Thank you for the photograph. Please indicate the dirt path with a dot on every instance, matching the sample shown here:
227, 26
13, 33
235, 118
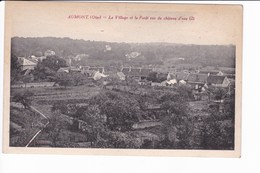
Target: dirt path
39, 131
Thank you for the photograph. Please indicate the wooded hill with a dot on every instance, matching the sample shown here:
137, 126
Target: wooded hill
151, 53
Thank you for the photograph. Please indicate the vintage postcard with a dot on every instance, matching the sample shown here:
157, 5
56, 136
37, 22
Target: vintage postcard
138, 79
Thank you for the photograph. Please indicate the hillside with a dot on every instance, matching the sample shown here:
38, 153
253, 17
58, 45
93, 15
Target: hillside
111, 52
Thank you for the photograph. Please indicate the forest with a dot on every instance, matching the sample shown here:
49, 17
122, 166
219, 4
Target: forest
150, 53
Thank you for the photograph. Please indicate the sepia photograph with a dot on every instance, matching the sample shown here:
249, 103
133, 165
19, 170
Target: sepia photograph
123, 79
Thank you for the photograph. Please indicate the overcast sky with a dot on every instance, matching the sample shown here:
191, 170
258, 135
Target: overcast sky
212, 24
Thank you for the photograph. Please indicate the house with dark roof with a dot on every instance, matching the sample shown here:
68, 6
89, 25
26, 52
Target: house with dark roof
136, 73
91, 71
197, 81
97, 69
229, 72
146, 71
178, 76
125, 70
89, 68
197, 78
218, 81
71, 69
160, 79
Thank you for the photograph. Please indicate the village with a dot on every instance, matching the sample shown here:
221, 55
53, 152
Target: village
199, 79
201, 89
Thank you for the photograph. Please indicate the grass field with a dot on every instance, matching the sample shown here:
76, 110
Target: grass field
49, 95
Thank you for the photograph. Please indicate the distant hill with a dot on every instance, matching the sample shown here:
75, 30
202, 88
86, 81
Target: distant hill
111, 52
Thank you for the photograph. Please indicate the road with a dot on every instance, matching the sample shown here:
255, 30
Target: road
39, 131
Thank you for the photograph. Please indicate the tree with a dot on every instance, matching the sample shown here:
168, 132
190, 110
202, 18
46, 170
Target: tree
42, 72
78, 78
120, 109
210, 135
96, 122
169, 96
48, 67
218, 93
152, 76
25, 98
216, 132
26, 79
177, 123
15, 68
64, 79
53, 62
185, 91
229, 106
55, 127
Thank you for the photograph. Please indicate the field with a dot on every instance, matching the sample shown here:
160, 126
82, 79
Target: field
50, 95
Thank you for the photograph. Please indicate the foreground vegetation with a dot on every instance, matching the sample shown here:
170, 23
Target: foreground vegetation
24, 123
116, 119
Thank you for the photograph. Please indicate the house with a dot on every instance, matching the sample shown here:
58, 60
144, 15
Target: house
26, 63
97, 69
91, 71
84, 67
107, 48
121, 75
160, 77
64, 70
197, 78
97, 75
178, 76
171, 82
211, 72
125, 70
133, 55
79, 57
218, 81
144, 73
26, 72
74, 69
37, 58
49, 53
182, 82
160, 80
197, 81
136, 73
229, 72
156, 84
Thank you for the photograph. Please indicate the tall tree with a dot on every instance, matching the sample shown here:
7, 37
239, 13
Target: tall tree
64, 79
15, 68
78, 78
25, 98
55, 127
53, 62
120, 109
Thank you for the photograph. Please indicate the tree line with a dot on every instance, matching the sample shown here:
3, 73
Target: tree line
110, 116
151, 53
